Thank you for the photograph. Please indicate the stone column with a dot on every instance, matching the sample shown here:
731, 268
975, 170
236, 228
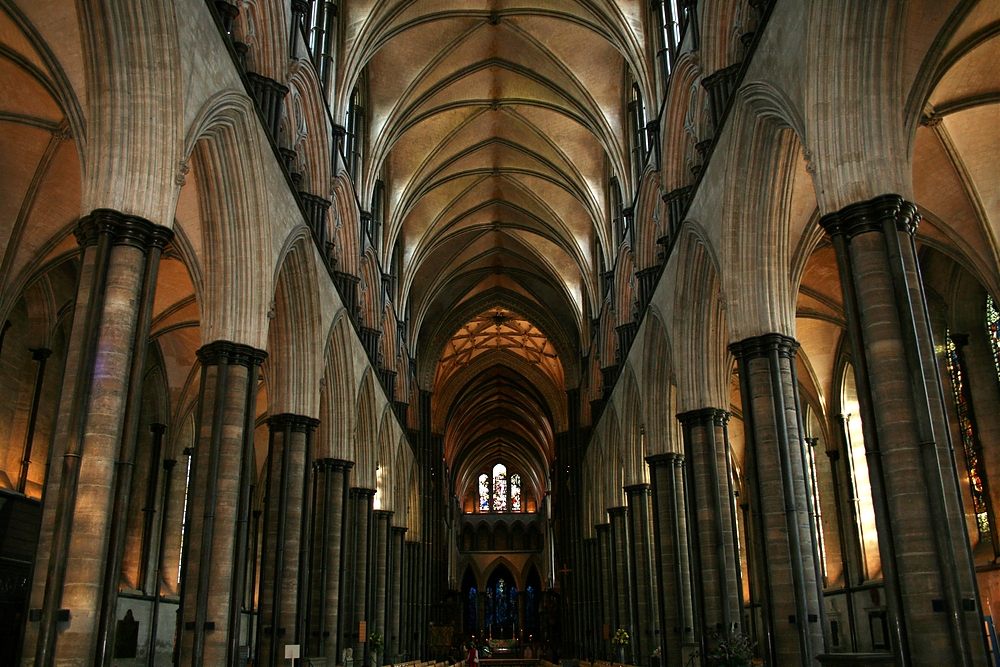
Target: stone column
925, 554
211, 580
592, 600
39, 356
621, 573
149, 510
717, 591
777, 466
647, 630
331, 491
120, 256
606, 614
410, 619
360, 579
673, 570
284, 504
393, 650
381, 523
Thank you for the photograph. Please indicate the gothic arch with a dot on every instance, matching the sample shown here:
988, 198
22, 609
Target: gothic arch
677, 129
633, 427
224, 141
756, 221
266, 29
702, 359
648, 221
385, 460
660, 392
337, 418
365, 433
856, 132
346, 233
128, 84
296, 330
314, 137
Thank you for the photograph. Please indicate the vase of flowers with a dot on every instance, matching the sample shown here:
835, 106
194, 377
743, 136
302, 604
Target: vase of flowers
734, 650
375, 642
620, 641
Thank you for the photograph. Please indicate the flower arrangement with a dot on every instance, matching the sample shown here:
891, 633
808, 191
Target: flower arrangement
621, 637
732, 651
658, 653
375, 642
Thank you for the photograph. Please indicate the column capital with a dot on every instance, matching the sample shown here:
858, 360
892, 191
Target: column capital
665, 459
361, 492
756, 347
158, 428
715, 415
122, 228
316, 200
298, 423
399, 530
264, 82
333, 464
638, 489
43, 353
871, 216
224, 351
602, 527
621, 510
383, 514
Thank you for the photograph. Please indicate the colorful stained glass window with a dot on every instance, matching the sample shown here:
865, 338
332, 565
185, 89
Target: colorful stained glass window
484, 493
499, 488
970, 439
515, 493
993, 330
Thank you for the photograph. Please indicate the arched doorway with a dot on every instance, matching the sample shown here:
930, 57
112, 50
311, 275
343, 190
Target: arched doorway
502, 617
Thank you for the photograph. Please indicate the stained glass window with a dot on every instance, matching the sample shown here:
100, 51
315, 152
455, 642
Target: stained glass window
515, 493
499, 488
993, 330
484, 493
966, 427
471, 611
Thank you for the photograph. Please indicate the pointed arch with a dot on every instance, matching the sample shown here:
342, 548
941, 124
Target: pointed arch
313, 138
266, 29
366, 433
626, 305
648, 220
702, 358
295, 335
659, 388
336, 413
128, 84
755, 232
633, 429
346, 232
225, 142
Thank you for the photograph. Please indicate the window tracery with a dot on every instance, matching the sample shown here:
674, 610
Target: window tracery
968, 434
500, 491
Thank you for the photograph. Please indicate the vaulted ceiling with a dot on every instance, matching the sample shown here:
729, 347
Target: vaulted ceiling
495, 127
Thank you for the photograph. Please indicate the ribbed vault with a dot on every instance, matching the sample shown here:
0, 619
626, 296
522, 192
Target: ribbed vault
496, 134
